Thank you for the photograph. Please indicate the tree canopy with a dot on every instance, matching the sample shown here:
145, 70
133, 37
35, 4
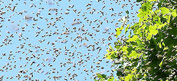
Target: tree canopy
150, 50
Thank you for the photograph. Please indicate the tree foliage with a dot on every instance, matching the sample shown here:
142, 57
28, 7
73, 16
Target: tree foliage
150, 51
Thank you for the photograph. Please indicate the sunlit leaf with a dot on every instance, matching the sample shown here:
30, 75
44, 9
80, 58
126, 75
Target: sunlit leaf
174, 13
111, 79
134, 38
118, 31
161, 63
164, 10
134, 55
153, 30
129, 77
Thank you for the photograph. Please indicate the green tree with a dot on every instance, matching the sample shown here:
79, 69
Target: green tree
150, 51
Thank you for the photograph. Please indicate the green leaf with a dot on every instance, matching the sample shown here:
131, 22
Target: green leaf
129, 77
133, 39
174, 14
162, 25
118, 31
124, 49
166, 48
161, 63
140, 44
126, 29
153, 30
164, 10
149, 36
95, 80
138, 0
111, 79
140, 15
134, 55
111, 53
146, 7
160, 45
127, 12
102, 76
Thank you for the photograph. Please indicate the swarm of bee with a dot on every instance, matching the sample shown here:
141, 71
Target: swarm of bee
62, 40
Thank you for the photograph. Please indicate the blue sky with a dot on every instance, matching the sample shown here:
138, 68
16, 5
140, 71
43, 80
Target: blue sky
30, 42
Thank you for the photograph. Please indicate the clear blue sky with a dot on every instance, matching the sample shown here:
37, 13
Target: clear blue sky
16, 28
